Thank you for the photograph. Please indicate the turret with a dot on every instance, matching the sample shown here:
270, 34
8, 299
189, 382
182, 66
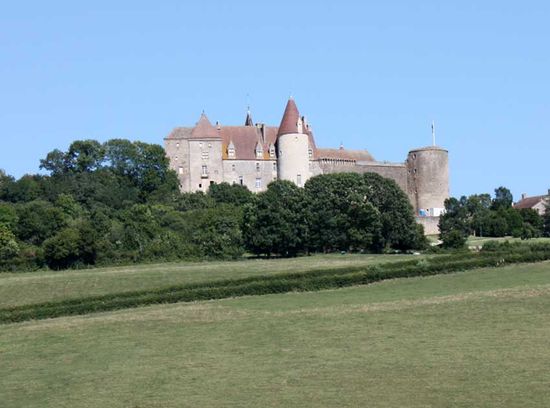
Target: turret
293, 147
428, 174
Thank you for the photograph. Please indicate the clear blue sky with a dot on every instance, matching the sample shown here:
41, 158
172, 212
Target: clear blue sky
368, 75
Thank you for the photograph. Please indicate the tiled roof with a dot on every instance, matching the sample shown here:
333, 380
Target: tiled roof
344, 154
529, 202
180, 133
204, 129
289, 122
245, 138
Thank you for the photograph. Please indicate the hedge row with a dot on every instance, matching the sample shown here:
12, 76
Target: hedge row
262, 285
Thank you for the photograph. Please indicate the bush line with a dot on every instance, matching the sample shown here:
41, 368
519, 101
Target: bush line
313, 280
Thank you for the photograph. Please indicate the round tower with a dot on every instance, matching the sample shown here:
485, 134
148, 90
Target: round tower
293, 147
428, 179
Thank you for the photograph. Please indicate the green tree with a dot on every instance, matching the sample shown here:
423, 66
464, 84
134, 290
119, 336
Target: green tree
340, 215
38, 220
62, 250
216, 232
399, 227
276, 222
234, 194
453, 224
503, 198
8, 244
532, 218
8, 215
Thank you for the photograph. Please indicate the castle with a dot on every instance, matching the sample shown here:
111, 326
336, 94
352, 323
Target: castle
253, 155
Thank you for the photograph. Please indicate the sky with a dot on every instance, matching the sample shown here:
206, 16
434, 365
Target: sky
370, 75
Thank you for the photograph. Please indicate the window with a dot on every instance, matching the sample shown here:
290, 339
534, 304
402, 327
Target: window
272, 151
210, 145
176, 158
200, 185
310, 153
258, 167
232, 167
200, 144
299, 180
231, 152
274, 166
241, 180
204, 170
204, 155
180, 170
177, 145
258, 183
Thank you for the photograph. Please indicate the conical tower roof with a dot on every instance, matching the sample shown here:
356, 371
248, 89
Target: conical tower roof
204, 129
289, 123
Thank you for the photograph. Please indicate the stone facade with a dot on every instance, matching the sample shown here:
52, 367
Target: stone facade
256, 154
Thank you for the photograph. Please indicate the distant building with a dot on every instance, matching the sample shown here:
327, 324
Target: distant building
253, 155
537, 203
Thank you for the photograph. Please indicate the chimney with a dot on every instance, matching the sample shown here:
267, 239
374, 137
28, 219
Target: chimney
523, 196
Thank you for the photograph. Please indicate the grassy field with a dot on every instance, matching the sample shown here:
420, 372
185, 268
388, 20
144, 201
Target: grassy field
35, 287
474, 339
479, 241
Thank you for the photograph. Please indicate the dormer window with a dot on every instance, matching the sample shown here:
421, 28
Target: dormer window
310, 153
272, 151
231, 151
259, 151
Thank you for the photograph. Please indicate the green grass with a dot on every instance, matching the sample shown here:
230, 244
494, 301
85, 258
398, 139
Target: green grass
474, 339
35, 287
480, 241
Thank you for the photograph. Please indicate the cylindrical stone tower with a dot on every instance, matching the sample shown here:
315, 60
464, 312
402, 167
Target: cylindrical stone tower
428, 179
293, 147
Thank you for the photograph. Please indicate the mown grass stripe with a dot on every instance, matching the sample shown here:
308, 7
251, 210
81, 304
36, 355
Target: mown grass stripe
262, 285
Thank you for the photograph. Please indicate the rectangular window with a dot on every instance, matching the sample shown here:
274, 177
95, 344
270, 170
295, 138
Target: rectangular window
299, 180
180, 170
241, 180
274, 166
204, 155
204, 169
258, 183
232, 167
258, 167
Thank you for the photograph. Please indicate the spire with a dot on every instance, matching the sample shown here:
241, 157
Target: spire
204, 129
248, 121
291, 117
433, 132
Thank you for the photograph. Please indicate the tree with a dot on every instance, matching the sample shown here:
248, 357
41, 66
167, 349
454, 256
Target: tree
340, 215
38, 220
234, 194
276, 222
62, 250
399, 227
503, 198
8, 215
531, 217
453, 224
216, 232
8, 244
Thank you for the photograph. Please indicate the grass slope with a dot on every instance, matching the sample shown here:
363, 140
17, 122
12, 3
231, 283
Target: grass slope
474, 339
35, 287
